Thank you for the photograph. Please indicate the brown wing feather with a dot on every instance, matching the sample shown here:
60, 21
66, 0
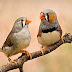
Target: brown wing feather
39, 34
8, 41
60, 30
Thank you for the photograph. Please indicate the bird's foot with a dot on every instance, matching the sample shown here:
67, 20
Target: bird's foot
62, 39
42, 50
28, 54
14, 61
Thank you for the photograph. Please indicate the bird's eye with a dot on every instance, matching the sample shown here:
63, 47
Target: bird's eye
22, 23
51, 17
42, 16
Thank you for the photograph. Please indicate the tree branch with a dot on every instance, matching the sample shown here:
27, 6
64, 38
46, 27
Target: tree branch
10, 66
21, 69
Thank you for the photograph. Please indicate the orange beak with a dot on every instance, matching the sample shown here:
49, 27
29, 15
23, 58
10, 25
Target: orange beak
42, 16
28, 21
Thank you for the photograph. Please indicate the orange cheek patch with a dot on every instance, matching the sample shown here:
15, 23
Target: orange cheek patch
51, 17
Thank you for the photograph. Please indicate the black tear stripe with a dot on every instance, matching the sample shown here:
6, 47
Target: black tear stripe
50, 30
22, 22
2, 48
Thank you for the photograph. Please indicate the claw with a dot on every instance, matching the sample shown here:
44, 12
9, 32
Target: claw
28, 54
12, 61
15, 59
42, 50
62, 39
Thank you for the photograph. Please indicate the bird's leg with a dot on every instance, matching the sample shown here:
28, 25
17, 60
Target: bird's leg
42, 50
9, 59
62, 39
28, 54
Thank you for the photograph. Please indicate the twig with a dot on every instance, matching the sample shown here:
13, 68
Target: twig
10, 66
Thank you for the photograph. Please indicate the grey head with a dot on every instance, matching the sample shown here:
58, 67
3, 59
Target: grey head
47, 12
48, 20
19, 24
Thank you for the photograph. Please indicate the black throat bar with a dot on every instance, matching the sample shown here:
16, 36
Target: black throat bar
50, 30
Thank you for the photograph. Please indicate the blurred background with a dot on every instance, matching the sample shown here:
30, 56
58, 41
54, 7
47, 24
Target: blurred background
59, 60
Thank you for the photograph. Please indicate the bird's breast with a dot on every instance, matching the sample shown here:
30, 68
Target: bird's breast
22, 41
49, 38
23, 44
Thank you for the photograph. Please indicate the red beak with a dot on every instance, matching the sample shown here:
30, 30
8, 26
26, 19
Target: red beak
42, 16
28, 21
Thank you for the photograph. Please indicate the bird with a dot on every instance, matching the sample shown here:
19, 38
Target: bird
18, 39
49, 29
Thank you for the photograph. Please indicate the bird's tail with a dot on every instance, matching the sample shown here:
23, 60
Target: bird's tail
0, 49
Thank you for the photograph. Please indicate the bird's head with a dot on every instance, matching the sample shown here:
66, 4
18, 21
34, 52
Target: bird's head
21, 23
48, 15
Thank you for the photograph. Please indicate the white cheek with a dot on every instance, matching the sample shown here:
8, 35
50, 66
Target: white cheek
23, 23
46, 17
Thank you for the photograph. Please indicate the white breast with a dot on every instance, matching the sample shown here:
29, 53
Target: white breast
49, 38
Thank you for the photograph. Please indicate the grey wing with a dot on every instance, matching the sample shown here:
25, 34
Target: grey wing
10, 38
8, 41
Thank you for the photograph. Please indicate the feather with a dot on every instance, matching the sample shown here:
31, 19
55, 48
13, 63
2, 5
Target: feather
60, 31
39, 34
